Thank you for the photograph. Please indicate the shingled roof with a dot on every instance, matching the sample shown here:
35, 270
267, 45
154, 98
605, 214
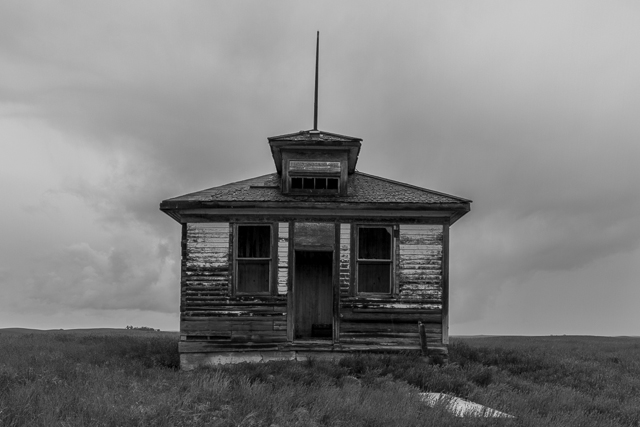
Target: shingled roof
362, 188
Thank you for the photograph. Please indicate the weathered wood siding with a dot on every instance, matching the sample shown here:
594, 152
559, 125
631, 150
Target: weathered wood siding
283, 257
212, 319
419, 262
345, 258
205, 264
393, 321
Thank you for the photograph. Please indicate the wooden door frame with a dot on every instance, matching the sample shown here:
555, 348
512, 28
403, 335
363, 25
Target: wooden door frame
335, 285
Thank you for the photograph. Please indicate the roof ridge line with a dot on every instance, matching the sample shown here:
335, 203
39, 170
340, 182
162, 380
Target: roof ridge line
315, 131
415, 187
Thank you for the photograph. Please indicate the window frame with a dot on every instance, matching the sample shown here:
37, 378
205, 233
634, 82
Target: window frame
313, 175
314, 189
271, 261
357, 261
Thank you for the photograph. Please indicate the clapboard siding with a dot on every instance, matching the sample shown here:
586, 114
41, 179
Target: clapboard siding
213, 319
205, 264
230, 333
419, 261
393, 322
345, 258
390, 322
210, 313
283, 257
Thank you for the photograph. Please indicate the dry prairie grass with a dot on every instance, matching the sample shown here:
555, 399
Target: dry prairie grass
103, 379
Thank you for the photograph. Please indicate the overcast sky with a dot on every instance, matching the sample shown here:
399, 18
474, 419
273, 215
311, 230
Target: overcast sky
529, 108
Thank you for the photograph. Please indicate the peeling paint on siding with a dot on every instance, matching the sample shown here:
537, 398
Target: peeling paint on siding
283, 257
206, 264
345, 255
420, 261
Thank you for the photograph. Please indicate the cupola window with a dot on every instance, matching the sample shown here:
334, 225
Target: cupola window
313, 177
314, 183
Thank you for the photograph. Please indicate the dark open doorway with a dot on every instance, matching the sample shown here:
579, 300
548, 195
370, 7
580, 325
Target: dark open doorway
313, 295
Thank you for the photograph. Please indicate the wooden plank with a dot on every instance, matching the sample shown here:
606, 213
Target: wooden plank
273, 305
283, 257
421, 247
207, 335
194, 279
210, 273
336, 287
393, 303
383, 336
230, 314
409, 271
389, 342
290, 291
428, 304
345, 255
216, 308
420, 259
415, 287
206, 347
206, 242
420, 228
348, 316
445, 286
416, 295
390, 310
280, 325
241, 299
188, 326
309, 235
398, 339
237, 337
208, 226
422, 252
388, 327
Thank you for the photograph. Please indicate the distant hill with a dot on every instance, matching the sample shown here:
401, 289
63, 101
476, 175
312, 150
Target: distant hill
88, 331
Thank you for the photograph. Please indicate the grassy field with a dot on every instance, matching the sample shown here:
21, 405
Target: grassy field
130, 378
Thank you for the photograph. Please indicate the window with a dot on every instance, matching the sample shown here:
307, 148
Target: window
314, 183
253, 259
314, 177
374, 259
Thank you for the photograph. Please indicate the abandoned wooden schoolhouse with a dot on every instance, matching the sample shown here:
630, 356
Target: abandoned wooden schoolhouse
316, 259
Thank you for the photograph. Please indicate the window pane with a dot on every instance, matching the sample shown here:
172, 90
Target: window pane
296, 183
307, 183
254, 241
332, 183
253, 276
321, 183
374, 243
374, 277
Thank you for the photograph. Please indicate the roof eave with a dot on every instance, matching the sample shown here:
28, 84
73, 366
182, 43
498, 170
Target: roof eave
176, 209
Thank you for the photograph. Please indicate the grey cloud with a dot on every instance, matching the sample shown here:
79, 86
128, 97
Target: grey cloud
529, 109
80, 277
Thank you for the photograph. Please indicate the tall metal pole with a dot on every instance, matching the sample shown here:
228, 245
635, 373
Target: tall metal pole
315, 100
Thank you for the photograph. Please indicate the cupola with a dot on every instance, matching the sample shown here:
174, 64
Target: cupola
314, 162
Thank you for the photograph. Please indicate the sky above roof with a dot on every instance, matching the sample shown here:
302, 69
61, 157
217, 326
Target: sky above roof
530, 109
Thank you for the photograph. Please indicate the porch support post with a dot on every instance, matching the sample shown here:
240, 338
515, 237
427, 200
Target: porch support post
445, 283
